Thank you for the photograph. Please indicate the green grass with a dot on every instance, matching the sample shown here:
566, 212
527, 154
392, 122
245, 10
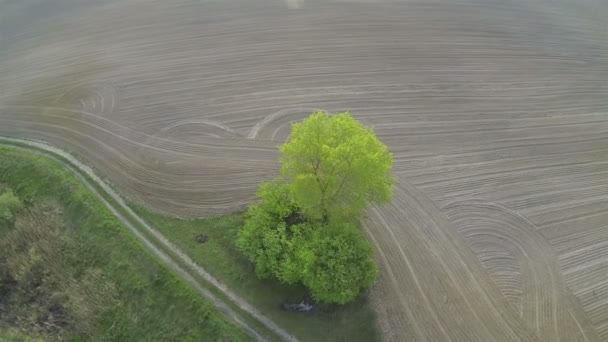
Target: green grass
220, 257
14, 335
155, 305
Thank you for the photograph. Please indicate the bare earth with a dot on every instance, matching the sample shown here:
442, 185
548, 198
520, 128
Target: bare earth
496, 112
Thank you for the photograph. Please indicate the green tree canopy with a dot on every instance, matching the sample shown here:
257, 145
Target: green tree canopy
304, 229
263, 238
336, 166
336, 263
333, 260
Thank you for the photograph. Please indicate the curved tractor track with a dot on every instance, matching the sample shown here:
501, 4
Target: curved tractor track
496, 112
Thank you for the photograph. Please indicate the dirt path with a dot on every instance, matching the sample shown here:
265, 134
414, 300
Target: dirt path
79, 168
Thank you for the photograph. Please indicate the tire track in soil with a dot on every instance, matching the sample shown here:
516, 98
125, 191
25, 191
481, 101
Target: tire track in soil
546, 305
450, 295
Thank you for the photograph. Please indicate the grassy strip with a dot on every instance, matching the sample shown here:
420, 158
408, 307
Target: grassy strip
246, 317
156, 304
13, 334
220, 257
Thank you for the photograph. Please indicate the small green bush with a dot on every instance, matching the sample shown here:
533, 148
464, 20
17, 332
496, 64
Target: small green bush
9, 203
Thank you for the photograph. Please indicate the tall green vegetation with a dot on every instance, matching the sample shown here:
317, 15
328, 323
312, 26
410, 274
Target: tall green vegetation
9, 203
336, 166
37, 294
305, 228
69, 271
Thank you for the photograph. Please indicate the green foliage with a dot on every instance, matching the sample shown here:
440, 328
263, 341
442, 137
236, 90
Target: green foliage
305, 231
264, 237
221, 257
9, 203
277, 199
109, 286
39, 295
16, 335
333, 260
336, 166
337, 263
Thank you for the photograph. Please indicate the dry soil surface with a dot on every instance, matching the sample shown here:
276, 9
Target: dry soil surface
496, 112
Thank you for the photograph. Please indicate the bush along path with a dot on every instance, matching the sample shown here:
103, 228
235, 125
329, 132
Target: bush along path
170, 254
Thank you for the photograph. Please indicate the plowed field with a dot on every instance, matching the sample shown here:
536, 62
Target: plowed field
496, 112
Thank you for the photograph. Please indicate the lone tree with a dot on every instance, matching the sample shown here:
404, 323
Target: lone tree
336, 166
305, 228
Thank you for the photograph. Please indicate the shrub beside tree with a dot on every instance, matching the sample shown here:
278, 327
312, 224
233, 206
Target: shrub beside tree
306, 226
